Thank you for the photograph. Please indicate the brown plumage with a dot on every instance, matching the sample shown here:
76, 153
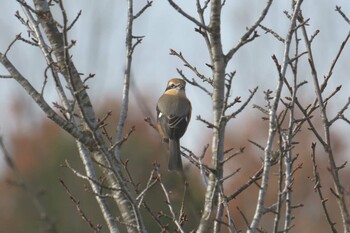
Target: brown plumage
173, 116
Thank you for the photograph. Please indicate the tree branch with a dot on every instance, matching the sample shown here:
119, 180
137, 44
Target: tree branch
247, 36
273, 124
327, 145
189, 17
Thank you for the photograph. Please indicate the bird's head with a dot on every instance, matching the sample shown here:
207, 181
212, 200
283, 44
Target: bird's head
176, 85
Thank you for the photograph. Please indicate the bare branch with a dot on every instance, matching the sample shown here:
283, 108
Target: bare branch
330, 72
243, 216
247, 37
240, 151
327, 145
189, 17
275, 34
204, 33
230, 175
244, 105
197, 161
74, 21
194, 69
138, 14
314, 35
338, 9
96, 228
193, 82
119, 143
151, 182
252, 180
209, 125
318, 188
340, 114
25, 5
272, 123
12, 43
6, 76
337, 89
51, 114
168, 202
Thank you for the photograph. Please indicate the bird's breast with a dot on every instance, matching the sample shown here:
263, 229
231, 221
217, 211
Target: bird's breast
173, 105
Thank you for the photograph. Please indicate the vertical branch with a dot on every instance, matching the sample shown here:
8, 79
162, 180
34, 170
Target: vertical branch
288, 175
204, 33
260, 209
212, 210
169, 204
34, 25
280, 194
134, 219
326, 142
85, 156
126, 83
99, 149
288, 141
317, 187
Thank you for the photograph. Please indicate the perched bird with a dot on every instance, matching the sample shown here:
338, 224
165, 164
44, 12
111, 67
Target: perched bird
173, 116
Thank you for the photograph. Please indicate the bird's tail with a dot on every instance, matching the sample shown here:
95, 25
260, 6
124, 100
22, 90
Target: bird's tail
175, 163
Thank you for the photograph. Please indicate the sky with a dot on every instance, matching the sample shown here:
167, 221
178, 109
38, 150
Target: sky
100, 49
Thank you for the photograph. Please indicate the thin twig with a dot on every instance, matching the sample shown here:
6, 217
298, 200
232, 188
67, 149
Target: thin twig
340, 114
247, 36
273, 122
194, 69
338, 9
275, 34
240, 151
74, 21
243, 106
189, 17
209, 125
327, 145
251, 181
150, 183
193, 82
330, 72
138, 14
12, 43
97, 227
169, 204
318, 188
204, 33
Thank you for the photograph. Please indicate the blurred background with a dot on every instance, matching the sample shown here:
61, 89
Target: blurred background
40, 148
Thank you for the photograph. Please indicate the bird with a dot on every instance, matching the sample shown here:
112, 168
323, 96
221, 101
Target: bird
173, 116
